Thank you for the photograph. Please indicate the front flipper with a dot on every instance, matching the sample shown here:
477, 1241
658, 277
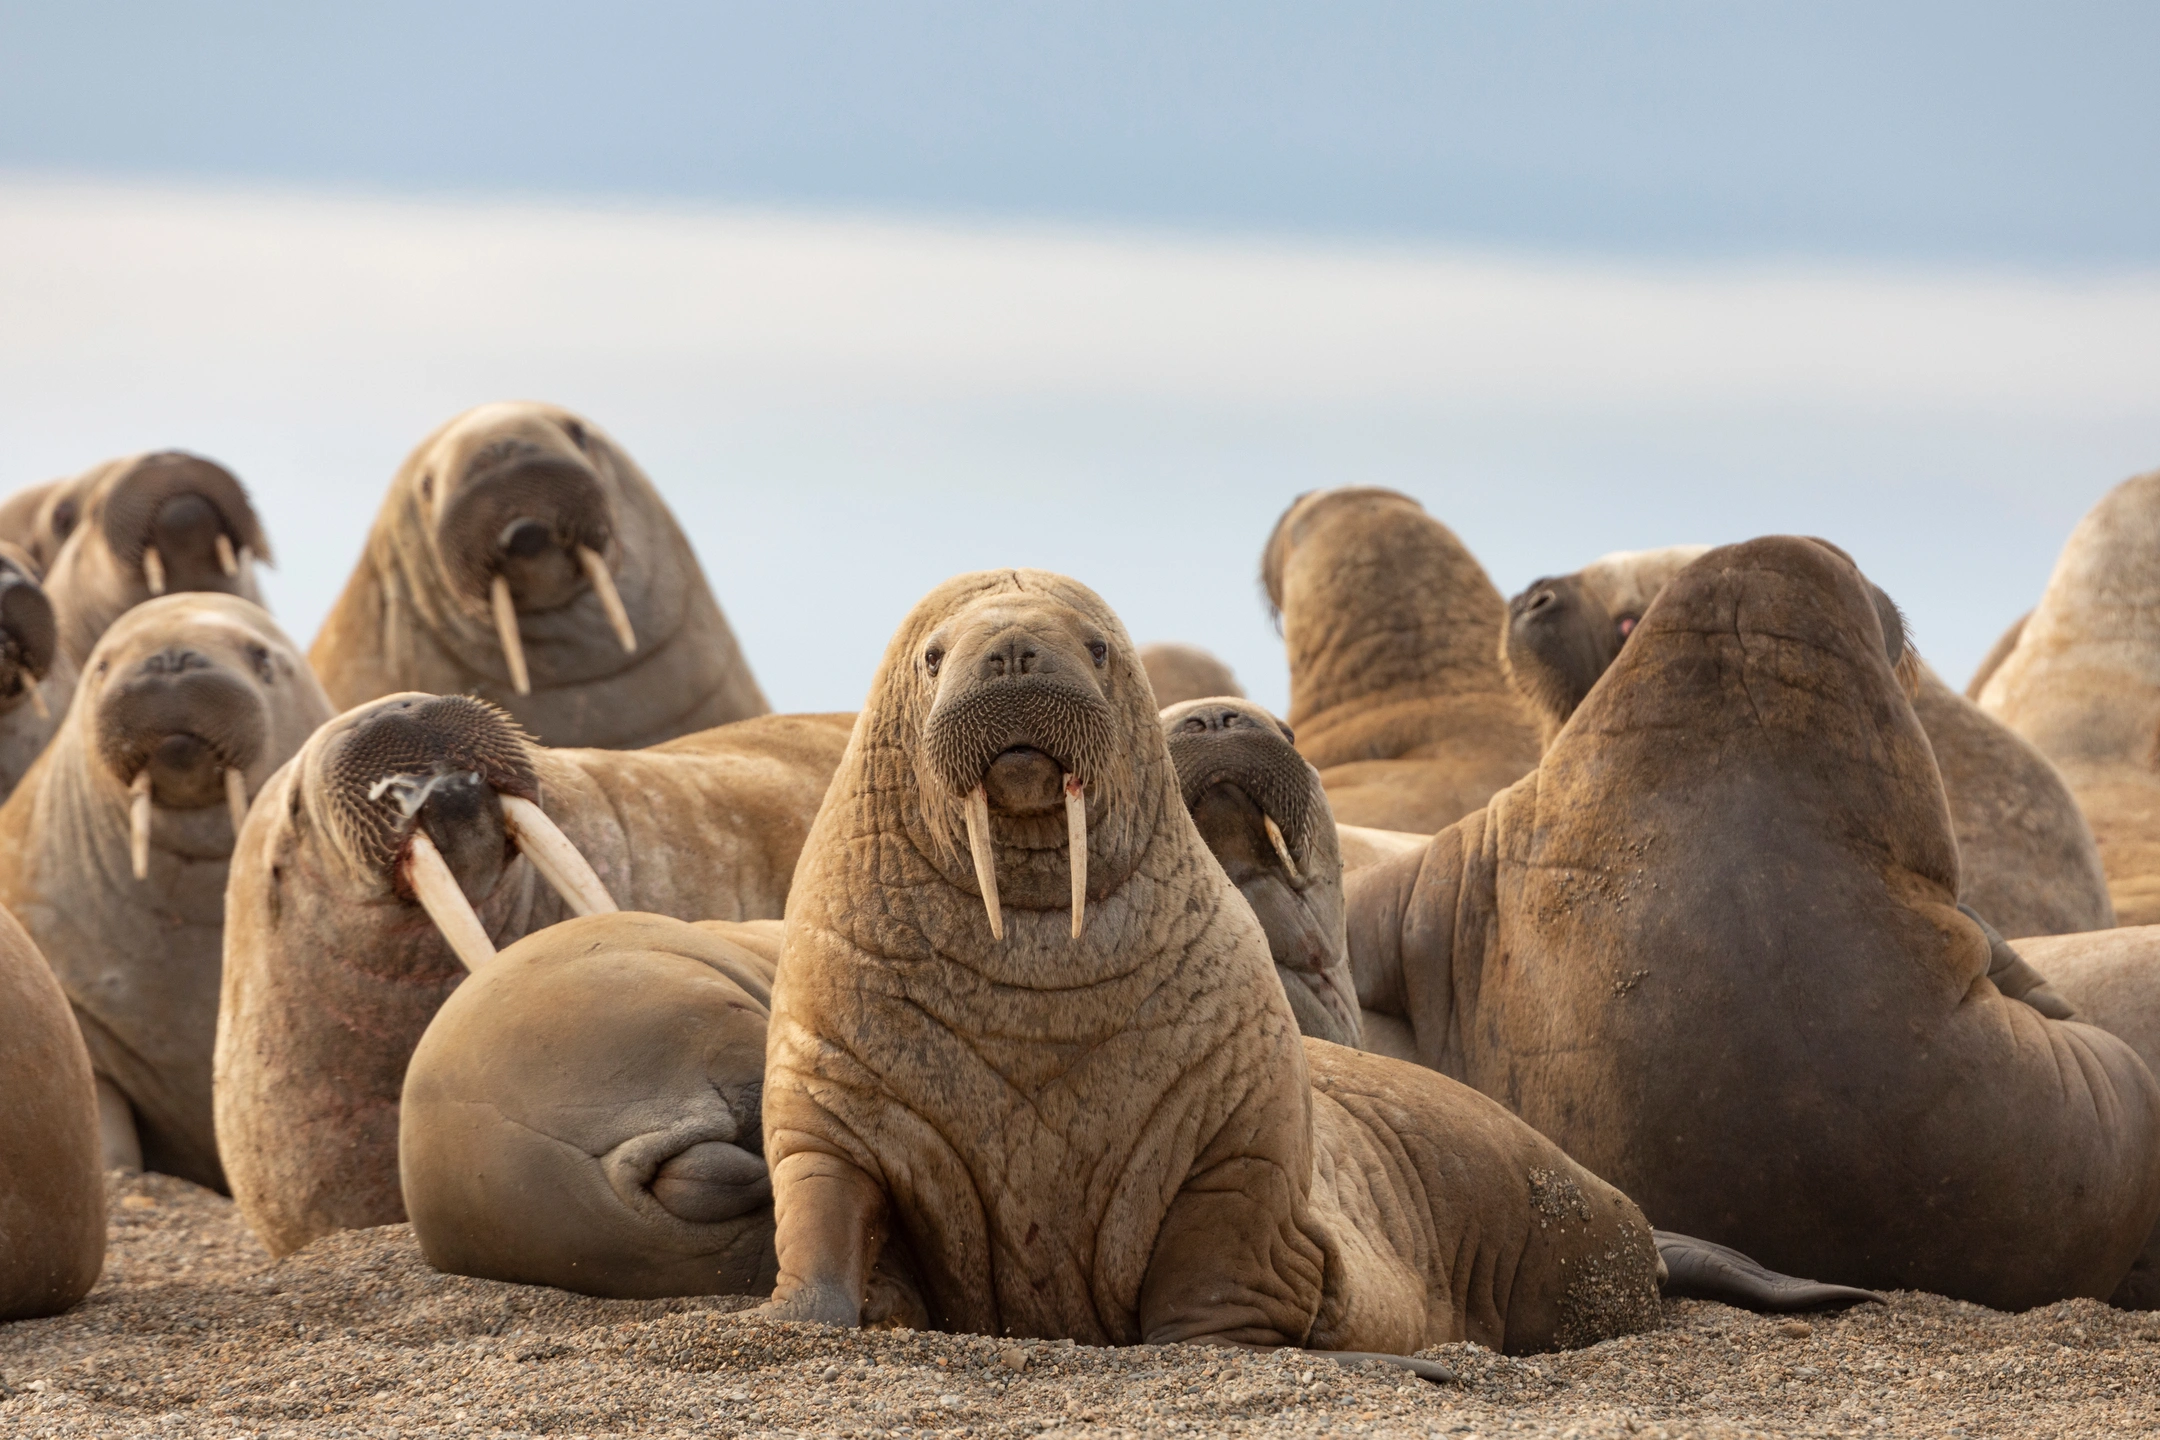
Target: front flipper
1698, 1270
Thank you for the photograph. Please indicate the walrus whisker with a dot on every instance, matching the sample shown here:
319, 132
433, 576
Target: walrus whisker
139, 823
558, 860
1282, 848
153, 569
506, 630
1076, 844
226, 560
978, 828
236, 798
603, 585
437, 891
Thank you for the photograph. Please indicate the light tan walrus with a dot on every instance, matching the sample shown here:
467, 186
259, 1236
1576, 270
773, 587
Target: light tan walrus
1186, 672
52, 1197
385, 862
1031, 1071
2026, 857
2082, 683
1395, 693
37, 682
114, 851
522, 556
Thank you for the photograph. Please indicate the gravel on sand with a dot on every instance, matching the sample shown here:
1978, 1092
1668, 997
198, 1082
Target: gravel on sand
195, 1331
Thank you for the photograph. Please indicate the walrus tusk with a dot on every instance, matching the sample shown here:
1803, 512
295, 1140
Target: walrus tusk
1076, 844
139, 824
558, 861
37, 701
247, 568
226, 560
603, 585
1282, 847
437, 891
506, 630
978, 828
236, 798
153, 569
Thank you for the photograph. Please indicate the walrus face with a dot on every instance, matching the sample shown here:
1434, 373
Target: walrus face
29, 636
179, 522
1559, 639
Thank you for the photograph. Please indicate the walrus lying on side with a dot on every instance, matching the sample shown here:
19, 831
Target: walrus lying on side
1395, 693
2026, 857
36, 681
583, 1112
52, 1196
1712, 947
2082, 683
385, 861
1030, 1062
1186, 672
114, 850
522, 556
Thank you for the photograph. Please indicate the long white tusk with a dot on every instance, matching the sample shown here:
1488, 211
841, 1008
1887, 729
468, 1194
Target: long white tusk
506, 630
603, 585
437, 891
227, 561
559, 862
37, 701
139, 824
1282, 849
978, 828
1076, 847
153, 569
236, 799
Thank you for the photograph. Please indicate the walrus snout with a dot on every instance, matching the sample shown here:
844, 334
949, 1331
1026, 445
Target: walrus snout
522, 512
184, 719
1559, 639
29, 635
1246, 785
184, 523
1024, 781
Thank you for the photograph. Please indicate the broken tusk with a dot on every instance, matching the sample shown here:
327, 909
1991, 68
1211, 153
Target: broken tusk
506, 630
603, 585
437, 891
37, 701
559, 862
1282, 849
226, 560
153, 569
978, 828
139, 824
1076, 847
236, 799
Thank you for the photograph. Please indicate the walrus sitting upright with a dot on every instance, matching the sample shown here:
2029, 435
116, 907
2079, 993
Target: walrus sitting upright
521, 556
1712, 947
2082, 683
1395, 693
114, 851
2026, 857
36, 681
385, 862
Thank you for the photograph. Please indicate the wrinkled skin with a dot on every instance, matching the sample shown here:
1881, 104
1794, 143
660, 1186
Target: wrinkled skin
1395, 693
1121, 1137
186, 686
2081, 681
333, 971
2027, 859
512, 490
584, 1112
1186, 672
52, 1194
1236, 767
1711, 946
32, 669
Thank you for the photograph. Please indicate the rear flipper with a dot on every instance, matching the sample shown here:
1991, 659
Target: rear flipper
1698, 1270
2013, 977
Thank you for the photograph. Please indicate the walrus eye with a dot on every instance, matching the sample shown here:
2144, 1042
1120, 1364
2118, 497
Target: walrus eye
259, 656
932, 658
63, 519
427, 487
1287, 733
576, 431
1099, 650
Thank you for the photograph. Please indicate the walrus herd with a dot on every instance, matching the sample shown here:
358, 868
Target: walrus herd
1643, 934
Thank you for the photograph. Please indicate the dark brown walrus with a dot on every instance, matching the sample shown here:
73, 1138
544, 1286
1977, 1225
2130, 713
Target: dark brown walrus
1030, 1062
115, 847
52, 1197
2026, 857
1711, 945
1395, 693
583, 1112
37, 682
337, 913
523, 557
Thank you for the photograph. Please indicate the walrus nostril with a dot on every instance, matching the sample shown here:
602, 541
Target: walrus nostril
524, 538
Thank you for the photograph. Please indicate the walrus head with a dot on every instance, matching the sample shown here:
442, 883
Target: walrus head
29, 636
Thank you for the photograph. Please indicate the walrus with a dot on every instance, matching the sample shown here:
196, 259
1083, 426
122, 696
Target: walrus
1395, 693
410, 839
150, 525
523, 557
114, 851
37, 682
2082, 683
583, 1112
38, 519
1711, 947
52, 1196
1030, 1065
1186, 672
2026, 857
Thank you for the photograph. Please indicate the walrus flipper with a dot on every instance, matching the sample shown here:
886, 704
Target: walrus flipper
1698, 1270
2016, 979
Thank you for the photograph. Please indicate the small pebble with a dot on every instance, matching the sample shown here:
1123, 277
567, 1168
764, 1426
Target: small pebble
1797, 1329
830, 1372
1012, 1357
